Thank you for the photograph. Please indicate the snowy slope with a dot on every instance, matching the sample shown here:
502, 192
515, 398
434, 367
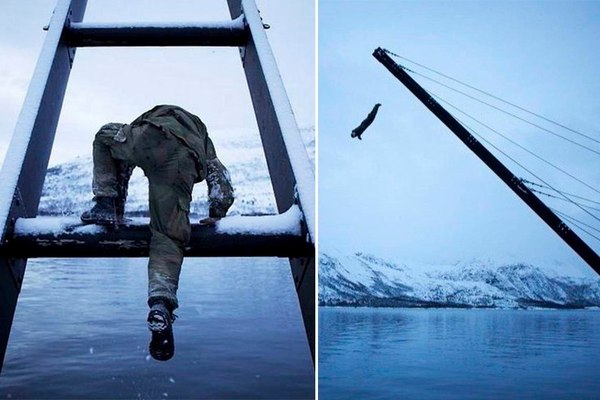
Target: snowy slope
68, 186
365, 280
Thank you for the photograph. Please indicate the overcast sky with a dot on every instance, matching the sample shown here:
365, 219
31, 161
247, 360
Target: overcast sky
118, 84
411, 190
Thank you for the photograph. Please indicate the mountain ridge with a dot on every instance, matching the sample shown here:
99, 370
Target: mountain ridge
365, 280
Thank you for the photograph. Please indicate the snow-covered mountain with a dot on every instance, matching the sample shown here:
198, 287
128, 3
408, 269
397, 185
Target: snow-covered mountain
364, 280
68, 186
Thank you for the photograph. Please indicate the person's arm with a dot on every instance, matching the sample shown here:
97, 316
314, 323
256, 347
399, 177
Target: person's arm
220, 190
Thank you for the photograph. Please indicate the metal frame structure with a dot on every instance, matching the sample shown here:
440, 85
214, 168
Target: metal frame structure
36, 240
511, 180
22, 175
291, 172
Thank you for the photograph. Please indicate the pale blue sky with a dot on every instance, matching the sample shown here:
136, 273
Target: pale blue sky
410, 190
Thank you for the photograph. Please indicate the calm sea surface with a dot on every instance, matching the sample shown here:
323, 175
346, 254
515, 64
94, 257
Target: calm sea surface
458, 354
80, 332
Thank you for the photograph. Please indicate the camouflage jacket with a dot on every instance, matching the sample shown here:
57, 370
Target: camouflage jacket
193, 133
185, 126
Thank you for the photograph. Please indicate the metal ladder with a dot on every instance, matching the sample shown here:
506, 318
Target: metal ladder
22, 175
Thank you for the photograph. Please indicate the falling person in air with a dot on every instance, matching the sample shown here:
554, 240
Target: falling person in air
359, 130
172, 147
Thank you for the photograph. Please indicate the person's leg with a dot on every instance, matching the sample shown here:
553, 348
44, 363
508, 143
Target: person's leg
112, 169
104, 181
171, 172
124, 171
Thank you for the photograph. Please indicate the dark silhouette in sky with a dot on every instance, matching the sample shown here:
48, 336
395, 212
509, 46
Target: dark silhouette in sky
359, 130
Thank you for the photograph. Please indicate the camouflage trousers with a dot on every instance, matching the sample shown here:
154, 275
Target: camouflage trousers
171, 171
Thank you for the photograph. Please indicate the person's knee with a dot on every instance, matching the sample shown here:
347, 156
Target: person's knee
107, 133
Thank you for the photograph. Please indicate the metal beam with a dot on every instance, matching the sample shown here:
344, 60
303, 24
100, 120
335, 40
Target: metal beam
24, 169
512, 181
291, 173
229, 33
11, 278
65, 237
304, 273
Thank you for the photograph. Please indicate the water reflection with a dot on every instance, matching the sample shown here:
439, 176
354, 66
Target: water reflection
458, 354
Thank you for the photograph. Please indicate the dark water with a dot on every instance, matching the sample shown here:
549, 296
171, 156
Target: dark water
79, 332
458, 354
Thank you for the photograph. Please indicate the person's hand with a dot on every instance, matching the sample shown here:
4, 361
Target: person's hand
210, 221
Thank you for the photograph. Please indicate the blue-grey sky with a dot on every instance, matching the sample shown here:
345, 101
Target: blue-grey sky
117, 84
411, 190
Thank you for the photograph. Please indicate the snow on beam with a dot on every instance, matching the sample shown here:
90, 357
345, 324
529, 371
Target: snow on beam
229, 33
291, 172
24, 168
238, 236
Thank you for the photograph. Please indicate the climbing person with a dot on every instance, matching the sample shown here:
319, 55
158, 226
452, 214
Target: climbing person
359, 130
172, 147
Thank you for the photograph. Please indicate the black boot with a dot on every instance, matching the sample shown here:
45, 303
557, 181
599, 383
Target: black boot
103, 212
160, 323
